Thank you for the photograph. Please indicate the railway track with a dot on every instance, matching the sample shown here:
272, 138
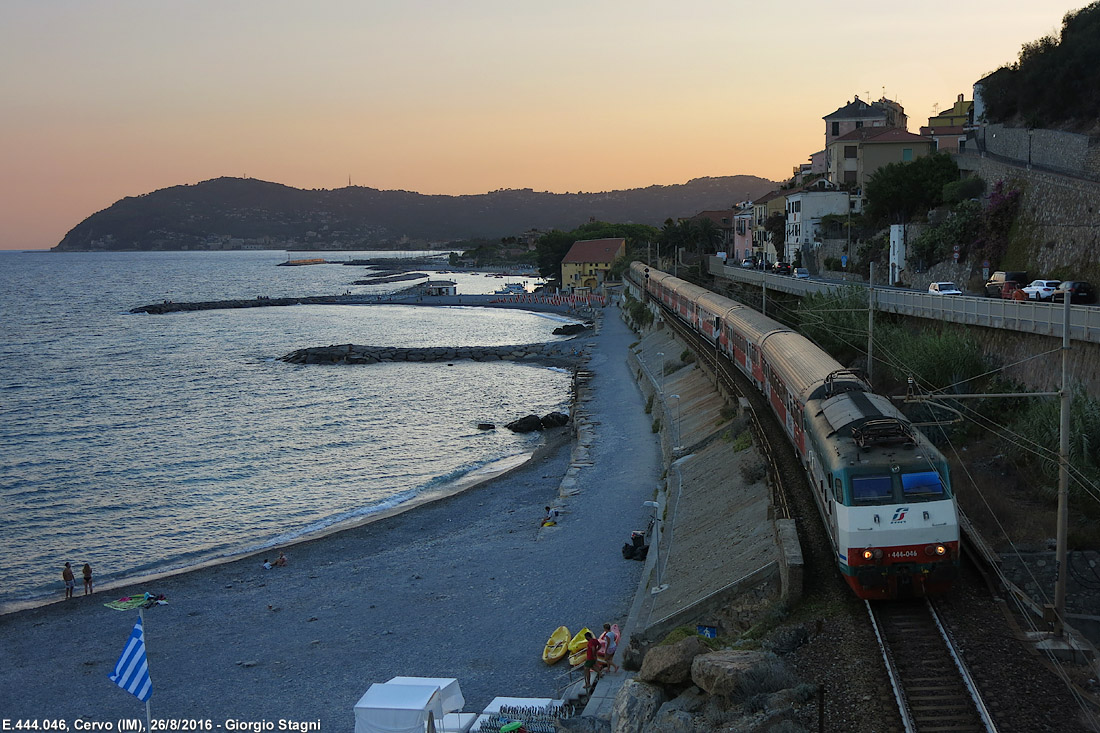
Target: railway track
933, 687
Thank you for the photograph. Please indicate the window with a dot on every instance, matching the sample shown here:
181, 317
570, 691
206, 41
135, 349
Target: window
924, 484
850, 151
906, 154
859, 124
869, 489
849, 176
836, 129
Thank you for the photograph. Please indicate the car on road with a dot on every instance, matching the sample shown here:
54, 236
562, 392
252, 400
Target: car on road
1011, 291
802, 273
1078, 291
995, 286
781, 268
1041, 289
944, 288
747, 264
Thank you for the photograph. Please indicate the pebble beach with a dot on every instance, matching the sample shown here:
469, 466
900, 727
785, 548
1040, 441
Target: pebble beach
467, 586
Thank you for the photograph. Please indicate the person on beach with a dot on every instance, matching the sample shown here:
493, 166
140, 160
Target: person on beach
609, 642
280, 562
87, 571
551, 518
67, 576
266, 565
591, 659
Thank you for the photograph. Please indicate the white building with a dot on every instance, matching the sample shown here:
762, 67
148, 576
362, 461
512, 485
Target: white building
805, 210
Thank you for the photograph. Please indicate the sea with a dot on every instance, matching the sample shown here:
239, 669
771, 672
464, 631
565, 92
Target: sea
144, 444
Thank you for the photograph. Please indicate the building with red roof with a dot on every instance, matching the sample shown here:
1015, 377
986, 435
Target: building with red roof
588, 260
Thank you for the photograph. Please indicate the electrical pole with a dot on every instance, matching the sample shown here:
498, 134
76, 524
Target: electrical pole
1063, 478
871, 324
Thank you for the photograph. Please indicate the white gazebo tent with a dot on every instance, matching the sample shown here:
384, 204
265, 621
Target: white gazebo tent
392, 708
450, 693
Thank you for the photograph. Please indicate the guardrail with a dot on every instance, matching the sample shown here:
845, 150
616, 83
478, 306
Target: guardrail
1041, 318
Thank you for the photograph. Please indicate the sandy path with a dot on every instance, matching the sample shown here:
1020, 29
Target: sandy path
465, 587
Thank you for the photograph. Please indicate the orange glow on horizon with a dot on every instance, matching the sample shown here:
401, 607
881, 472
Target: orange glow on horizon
481, 96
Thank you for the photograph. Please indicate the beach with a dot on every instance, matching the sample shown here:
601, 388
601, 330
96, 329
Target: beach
467, 586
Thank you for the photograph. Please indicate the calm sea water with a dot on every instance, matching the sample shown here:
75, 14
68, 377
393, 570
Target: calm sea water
145, 443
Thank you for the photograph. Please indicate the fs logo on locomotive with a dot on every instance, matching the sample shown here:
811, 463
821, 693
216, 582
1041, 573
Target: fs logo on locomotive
899, 515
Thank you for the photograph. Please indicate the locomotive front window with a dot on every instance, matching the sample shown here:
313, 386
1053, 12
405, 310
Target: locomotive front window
924, 484
872, 488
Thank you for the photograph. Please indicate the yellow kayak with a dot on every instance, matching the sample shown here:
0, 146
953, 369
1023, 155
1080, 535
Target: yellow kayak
557, 646
579, 641
577, 657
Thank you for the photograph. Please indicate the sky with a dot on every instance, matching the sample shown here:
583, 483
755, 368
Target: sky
113, 98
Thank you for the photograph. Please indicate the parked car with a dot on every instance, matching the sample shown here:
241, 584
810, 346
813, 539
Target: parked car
802, 273
781, 268
1079, 291
1041, 289
944, 288
995, 285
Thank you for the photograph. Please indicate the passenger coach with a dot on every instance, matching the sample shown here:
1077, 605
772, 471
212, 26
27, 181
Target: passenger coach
882, 489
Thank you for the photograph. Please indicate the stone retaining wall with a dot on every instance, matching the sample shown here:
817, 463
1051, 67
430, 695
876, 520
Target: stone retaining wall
564, 352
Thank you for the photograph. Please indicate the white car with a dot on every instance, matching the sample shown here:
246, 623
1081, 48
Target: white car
944, 288
801, 273
1041, 289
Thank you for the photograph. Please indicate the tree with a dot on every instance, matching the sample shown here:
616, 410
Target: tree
776, 228
899, 191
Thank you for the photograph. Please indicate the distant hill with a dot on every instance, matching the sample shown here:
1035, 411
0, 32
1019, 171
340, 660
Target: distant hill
235, 213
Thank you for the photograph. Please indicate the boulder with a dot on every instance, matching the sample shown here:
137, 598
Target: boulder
721, 673
554, 420
633, 655
671, 664
526, 424
670, 721
635, 704
582, 725
486, 426
569, 329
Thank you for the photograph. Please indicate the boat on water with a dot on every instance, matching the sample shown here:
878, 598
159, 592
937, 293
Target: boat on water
511, 289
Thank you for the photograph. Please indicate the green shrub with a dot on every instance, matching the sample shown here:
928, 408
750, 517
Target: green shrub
656, 427
743, 442
649, 403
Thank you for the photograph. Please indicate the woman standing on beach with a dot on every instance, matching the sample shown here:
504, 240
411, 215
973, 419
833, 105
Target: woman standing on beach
87, 579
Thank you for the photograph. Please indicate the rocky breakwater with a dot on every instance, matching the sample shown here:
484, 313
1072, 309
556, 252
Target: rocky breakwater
562, 353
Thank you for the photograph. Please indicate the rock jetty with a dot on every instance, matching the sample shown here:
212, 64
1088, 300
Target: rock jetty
557, 352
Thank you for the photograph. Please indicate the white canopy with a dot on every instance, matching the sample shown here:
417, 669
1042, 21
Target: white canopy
449, 692
391, 708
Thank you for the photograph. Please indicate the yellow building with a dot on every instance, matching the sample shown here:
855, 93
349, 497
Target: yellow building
587, 262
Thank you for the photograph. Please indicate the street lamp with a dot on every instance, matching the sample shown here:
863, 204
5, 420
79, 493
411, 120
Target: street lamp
676, 443
656, 543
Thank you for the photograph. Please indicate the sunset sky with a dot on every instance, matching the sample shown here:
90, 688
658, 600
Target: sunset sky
112, 98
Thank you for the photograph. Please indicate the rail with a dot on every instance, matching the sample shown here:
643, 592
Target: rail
933, 688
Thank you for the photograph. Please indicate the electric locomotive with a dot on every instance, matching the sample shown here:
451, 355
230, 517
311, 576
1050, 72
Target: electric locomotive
882, 490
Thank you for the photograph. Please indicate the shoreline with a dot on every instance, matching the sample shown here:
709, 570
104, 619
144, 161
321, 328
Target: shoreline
467, 586
491, 471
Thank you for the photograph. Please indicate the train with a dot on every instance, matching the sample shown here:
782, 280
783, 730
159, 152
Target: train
882, 489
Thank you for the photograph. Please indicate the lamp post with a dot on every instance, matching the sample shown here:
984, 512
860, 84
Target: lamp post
676, 442
656, 544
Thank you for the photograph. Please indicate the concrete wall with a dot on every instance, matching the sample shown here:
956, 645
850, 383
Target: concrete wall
1063, 151
1062, 218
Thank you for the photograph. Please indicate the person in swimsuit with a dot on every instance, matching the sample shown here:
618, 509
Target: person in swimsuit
67, 576
609, 642
591, 659
87, 571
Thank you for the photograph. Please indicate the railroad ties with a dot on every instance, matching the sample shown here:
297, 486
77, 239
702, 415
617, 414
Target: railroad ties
932, 686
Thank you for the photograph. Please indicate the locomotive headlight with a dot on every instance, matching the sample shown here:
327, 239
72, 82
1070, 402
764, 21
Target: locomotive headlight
871, 554
939, 550
868, 554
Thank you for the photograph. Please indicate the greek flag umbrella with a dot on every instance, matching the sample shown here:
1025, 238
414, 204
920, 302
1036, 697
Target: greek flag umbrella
132, 670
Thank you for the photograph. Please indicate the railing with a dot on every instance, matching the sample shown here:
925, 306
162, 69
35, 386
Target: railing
1043, 318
